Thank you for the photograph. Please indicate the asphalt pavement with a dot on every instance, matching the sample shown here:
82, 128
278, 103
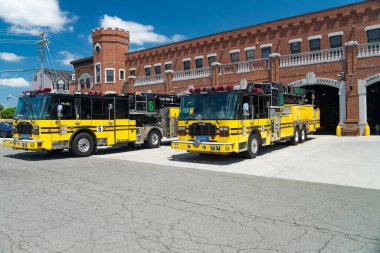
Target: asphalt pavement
56, 203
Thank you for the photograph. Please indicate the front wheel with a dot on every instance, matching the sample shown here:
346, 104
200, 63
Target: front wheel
154, 139
253, 147
82, 145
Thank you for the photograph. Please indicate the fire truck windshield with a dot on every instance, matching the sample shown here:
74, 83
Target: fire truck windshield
213, 106
32, 107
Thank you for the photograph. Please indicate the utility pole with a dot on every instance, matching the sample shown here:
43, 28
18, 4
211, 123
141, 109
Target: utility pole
43, 42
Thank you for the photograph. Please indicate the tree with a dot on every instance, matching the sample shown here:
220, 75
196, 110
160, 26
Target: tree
1, 107
8, 113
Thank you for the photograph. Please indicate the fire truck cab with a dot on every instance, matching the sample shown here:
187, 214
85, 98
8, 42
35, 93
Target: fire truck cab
238, 119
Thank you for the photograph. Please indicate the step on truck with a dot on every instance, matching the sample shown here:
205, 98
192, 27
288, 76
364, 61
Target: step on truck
244, 118
52, 122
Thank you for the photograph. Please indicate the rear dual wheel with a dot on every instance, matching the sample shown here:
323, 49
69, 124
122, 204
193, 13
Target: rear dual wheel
296, 136
303, 134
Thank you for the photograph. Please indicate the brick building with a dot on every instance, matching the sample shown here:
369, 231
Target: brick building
335, 52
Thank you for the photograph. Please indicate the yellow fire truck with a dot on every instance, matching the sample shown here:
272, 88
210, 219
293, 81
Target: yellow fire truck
53, 122
243, 119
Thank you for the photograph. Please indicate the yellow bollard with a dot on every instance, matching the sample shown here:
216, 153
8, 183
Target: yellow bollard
338, 130
367, 130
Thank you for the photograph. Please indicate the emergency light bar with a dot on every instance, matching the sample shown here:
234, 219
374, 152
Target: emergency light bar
34, 92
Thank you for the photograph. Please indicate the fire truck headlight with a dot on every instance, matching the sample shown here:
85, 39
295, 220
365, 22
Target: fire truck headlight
182, 130
224, 131
36, 130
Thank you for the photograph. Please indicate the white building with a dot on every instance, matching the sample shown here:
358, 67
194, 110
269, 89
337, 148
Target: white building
57, 80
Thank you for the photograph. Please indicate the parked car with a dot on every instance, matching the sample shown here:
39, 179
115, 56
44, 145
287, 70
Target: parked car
5, 129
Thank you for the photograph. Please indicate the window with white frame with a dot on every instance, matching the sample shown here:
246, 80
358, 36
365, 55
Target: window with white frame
121, 74
235, 54
315, 44
110, 75
98, 73
199, 63
81, 82
295, 47
265, 52
336, 41
373, 35
157, 69
250, 54
211, 59
168, 65
132, 72
186, 65
88, 83
148, 71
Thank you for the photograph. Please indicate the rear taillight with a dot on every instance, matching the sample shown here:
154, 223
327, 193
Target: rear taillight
36, 130
14, 130
181, 130
224, 131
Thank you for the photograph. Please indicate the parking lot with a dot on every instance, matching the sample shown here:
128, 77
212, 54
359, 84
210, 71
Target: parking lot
289, 199
349, 161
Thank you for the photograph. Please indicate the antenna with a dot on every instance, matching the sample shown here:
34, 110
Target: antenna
43, 42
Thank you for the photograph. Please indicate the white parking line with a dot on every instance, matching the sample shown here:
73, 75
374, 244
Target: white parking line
348, 161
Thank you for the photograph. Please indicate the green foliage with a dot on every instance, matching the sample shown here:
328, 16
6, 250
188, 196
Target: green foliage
1, 107
8, 113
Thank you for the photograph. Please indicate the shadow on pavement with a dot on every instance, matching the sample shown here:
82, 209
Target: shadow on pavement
227, 159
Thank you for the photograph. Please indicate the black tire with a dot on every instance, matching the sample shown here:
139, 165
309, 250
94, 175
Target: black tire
131, 144
154, 139
3, 134
303, 134
253, 146
82, 145
296, 136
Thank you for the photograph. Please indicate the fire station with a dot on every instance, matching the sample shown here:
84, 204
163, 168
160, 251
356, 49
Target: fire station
335, 52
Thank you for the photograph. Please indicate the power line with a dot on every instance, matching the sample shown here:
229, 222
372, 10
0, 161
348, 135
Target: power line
16, 70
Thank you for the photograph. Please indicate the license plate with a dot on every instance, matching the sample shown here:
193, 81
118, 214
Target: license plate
25, 136
202, 138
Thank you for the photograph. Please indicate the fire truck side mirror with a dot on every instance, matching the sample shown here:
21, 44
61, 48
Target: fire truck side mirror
59, 110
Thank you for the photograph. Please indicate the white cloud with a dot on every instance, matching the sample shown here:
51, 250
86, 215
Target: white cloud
139, 33
10, 57
67, 57
31, 16
14, 82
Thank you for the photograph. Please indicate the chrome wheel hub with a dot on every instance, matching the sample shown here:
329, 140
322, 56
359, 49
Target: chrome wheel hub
154, 139
303, 134
254, 146
296, 136
83, 145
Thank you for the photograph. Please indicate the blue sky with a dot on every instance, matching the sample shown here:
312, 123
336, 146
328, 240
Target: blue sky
151, 23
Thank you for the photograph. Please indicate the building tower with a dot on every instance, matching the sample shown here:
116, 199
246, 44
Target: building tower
109, 48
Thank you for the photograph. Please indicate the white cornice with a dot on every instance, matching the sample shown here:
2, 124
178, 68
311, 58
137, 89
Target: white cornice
340, 33
315, 37
372, 27
295, 40
266, 45
234, 51
250, 48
